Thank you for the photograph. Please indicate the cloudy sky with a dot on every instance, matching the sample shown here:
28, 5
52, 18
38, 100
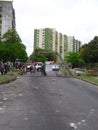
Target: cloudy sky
76, 18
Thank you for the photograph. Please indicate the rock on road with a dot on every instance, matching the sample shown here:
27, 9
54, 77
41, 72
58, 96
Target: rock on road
48, 103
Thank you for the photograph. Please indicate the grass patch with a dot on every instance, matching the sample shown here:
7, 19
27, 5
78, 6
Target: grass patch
91, 79
10, 76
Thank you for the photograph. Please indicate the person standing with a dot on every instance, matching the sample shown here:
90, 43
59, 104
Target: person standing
2, 68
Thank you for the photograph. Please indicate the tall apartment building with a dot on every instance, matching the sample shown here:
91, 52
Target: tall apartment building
50, 39
44, 38
73, 44
7, 16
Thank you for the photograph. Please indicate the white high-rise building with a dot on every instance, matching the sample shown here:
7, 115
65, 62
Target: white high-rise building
71, 40
7, 16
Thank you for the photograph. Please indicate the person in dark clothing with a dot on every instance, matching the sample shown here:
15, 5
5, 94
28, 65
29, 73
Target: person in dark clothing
2, 68
31, 69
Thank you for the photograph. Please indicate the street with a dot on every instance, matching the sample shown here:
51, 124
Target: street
48, 103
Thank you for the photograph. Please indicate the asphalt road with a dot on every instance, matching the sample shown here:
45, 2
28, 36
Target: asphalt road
48, 103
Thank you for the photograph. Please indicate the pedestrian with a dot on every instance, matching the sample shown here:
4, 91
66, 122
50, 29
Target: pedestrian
24, 69
31, 69
10, 67
2, 68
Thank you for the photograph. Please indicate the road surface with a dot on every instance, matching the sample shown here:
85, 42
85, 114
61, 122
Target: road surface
48, 103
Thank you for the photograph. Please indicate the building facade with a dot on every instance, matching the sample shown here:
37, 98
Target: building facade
44, 38
50, 39
7, 16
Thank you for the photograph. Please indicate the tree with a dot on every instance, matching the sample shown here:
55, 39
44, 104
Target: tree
74, 59
11, 36
89, 52
46, 53
4, 51
11, 48
51, 56
39, 58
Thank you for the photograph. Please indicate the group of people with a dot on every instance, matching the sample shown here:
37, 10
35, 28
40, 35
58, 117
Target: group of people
4, 68
30, 69
8, 66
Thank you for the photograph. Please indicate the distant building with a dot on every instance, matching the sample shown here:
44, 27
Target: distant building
7, 16
50, 39
44, 38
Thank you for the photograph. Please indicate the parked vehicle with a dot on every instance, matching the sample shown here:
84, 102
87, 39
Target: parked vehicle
29, 68
55, 67
38, 66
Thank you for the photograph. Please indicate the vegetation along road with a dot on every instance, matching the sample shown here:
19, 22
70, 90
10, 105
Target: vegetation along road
35, 102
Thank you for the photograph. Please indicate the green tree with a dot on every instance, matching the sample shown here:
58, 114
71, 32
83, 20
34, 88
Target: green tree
39, 58
51, 56
48, 54
11, 36
89, 52
4, 51
11, 47
74, 59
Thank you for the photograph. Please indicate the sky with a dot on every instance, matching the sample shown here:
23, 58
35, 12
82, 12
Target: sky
78, 18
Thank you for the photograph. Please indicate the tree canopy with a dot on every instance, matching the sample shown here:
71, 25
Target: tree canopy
89, 52
39, 58
11, 36
74, 59
11, 47
43, 55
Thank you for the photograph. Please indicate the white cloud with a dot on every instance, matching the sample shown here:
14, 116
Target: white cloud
71, 17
